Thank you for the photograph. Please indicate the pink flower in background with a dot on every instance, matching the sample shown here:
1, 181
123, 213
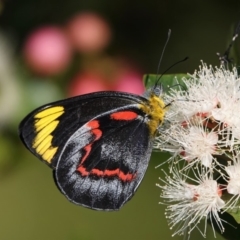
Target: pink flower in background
47, 51
93, 81
88, 32
86, 83
129, 81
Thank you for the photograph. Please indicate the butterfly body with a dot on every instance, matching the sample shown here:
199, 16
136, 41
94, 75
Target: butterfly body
98, 144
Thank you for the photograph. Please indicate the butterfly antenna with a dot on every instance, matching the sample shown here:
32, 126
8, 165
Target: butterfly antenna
160, 60
164, 48
225, 58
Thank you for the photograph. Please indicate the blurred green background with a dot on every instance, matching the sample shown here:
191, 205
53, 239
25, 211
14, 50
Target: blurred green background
31, 206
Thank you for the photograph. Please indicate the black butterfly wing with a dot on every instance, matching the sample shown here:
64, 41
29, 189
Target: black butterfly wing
46, 130
104, 161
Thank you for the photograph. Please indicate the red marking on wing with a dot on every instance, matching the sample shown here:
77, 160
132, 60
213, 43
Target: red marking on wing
124, 115
83, 171
97, 135
87, 150
93, 124
125, 177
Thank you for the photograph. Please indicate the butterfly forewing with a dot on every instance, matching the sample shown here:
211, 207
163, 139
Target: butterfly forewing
46, 130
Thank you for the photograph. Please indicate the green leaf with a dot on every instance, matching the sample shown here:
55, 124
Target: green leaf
231, 228
167, 80
235, 213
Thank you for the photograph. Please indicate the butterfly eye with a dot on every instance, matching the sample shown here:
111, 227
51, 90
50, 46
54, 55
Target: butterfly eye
158, 90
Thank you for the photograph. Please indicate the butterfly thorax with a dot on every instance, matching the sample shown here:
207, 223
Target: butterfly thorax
155, 110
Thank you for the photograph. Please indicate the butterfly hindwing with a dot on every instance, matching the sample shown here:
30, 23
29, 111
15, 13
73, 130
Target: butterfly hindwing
46, 130
104, 161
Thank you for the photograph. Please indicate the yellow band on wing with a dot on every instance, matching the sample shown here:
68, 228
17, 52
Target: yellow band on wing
45, 123
49, 111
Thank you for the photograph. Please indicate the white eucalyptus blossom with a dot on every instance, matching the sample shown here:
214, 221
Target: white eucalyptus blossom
192, 143
207, 91
233, 183
189, 203
233, 172
202, 130
203, 118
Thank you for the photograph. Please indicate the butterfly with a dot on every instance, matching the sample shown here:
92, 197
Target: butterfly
98, 145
